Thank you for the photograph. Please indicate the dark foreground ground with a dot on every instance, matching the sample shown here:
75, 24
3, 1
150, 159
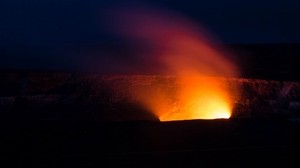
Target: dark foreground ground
201, 143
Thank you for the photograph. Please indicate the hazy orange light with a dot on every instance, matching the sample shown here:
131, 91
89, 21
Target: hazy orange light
216, 110
170, 44
199, 98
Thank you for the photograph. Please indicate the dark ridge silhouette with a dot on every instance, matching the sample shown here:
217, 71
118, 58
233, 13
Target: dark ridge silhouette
278, 61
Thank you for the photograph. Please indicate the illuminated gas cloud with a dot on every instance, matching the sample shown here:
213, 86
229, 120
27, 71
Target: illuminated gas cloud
165, 43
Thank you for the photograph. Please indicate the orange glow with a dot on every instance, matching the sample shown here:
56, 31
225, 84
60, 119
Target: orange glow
205, 98
186, 98
199, 98
169, 44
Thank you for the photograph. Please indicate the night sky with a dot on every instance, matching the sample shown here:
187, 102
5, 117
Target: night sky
49, 33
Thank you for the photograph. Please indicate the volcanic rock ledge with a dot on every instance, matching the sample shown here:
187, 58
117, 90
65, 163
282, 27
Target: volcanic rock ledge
53, 95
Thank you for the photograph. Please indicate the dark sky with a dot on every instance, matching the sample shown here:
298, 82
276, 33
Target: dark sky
59, 26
